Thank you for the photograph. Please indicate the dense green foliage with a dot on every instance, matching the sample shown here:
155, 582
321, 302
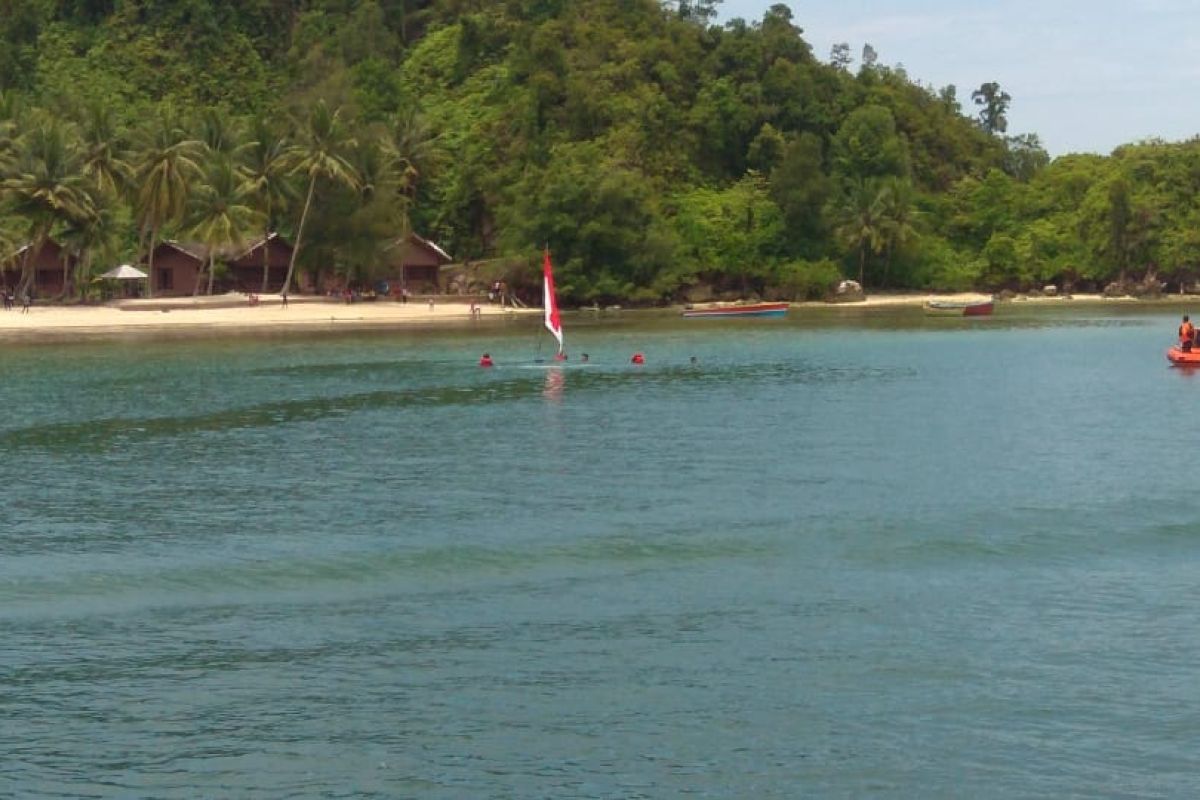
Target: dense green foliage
653, 150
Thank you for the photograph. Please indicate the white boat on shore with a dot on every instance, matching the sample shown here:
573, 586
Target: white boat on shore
980, 307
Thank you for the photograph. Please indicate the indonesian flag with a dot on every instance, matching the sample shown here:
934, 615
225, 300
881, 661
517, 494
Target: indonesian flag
550, 301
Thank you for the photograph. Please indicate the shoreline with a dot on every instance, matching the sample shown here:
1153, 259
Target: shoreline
228, 314
900, 300
194, 317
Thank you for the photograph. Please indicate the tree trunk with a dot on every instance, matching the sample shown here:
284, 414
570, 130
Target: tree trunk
27, 273
267, 260
287, 282
862, 263
81, 270
150, 262
196, 285
66, 287
212, 268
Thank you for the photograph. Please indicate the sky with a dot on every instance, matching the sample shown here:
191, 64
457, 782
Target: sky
1085, 75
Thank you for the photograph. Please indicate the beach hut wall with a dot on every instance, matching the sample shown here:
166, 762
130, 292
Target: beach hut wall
177, 266
246, 266
47, 265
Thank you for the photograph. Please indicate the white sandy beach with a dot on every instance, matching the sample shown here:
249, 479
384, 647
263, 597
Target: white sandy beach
232, 312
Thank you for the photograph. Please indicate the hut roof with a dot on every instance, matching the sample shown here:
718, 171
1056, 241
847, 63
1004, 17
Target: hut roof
413, 240
269, 239
51, 248
191, 249
420, 241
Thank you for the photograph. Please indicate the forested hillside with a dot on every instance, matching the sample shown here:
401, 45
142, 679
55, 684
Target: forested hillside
651, 148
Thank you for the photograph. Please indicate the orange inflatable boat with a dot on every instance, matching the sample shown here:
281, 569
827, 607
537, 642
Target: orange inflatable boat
1183, 358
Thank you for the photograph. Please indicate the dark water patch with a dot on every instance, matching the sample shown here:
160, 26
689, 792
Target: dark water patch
378, 571
100, 434
110, 433
353, 369
1031, 538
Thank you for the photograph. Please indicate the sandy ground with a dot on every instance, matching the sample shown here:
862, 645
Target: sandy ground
891, 300
232, 312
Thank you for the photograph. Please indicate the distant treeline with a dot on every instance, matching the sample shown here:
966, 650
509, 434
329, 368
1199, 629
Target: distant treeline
652, 149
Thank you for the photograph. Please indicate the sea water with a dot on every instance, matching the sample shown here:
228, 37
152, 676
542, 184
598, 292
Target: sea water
840, 555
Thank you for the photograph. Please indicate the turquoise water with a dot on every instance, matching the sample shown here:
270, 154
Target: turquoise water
837, 557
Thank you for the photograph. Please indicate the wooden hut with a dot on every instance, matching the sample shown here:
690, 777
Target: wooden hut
417, 264
47, 265
246, 267
177, 266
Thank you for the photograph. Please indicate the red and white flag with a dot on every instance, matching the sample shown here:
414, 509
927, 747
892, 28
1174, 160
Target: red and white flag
550, 300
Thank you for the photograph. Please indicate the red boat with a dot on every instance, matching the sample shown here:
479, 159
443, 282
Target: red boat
747, 310
1183, 358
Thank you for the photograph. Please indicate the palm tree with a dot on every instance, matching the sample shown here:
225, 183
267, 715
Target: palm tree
378, 207
265, 168
47, 186
86, 237
319, 156
414, 144
220, 213
860, 220
167, 162
219, 134
105, 158
900, 217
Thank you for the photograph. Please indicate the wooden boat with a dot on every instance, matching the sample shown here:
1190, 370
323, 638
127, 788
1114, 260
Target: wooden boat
960, 308
747, 310
1183, 358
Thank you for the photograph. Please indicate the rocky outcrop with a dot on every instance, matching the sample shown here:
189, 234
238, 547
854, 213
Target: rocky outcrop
1148, 288
847, 292
1115, 289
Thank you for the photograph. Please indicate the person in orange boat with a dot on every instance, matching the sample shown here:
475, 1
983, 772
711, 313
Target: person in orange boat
485, 360
638, 358
1187, 334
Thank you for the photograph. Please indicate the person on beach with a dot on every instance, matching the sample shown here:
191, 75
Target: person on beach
1187, 333
8, 299
485, 360
283, 299
27, 301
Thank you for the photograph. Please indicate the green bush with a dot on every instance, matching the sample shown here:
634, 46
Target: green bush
805, 280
